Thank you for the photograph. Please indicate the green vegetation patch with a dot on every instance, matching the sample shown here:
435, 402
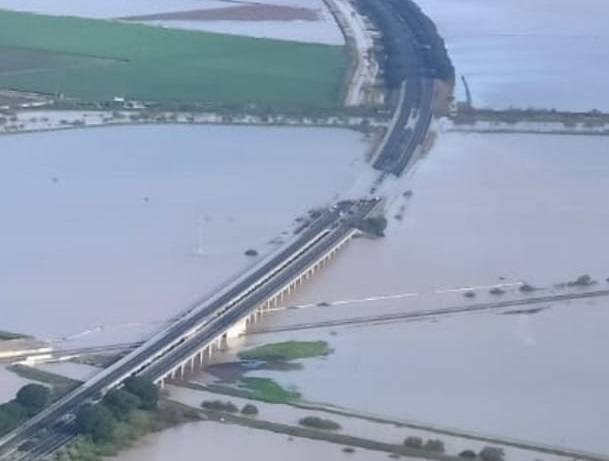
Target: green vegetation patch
267, 390
30, 399
63, 54
289, 350
124, 433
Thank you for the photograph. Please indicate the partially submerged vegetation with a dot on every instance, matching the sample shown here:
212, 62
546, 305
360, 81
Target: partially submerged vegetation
267, 390
120, 418
319, 423
289, 350
373, 225
582, 281
219, 405
433, 445
466, 114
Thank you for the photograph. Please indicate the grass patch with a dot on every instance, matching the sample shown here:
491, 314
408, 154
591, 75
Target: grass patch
267, 390
289, 350
156, 64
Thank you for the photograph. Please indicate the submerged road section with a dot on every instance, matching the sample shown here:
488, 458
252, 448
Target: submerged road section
193, 335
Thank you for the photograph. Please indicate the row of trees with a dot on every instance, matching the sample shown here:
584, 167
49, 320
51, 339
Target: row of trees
100, 420
31, 398
411, 41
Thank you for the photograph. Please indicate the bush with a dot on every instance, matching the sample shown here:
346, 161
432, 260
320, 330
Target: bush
121, 402
497, 291
96, 421
11, 414
434, 445
33, 397
319, 423
468, 454
145, 390
218, 405
526, 288
249, 409
375, 225
413, 442
492, 454
582, 281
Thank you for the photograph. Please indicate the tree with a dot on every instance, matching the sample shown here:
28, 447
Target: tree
11, 414
33, 397
96, 421
145, 390
249, 409
434, 445
413, 442
492, 454
121, 402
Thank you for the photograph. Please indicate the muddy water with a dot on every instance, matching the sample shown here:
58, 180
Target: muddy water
484, 210
119, 229
224, 442
10, 383
538, 53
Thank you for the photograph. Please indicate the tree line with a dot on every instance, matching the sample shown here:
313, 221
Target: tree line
411, 41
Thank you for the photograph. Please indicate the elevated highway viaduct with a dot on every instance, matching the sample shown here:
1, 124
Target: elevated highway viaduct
196, 333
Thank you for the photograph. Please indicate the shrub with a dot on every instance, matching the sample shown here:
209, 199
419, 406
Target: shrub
526, 288
249, 409
145, 390
375, 225
492, 454
434, 445
319, 423
497, 291
121, 402
413, 442
218, 405
96, 421
11, 414
582, 281
468, 454
33, 397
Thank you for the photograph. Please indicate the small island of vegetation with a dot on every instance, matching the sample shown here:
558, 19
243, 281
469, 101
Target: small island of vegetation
289, 350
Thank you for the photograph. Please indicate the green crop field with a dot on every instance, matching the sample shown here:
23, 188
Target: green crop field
97, 60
